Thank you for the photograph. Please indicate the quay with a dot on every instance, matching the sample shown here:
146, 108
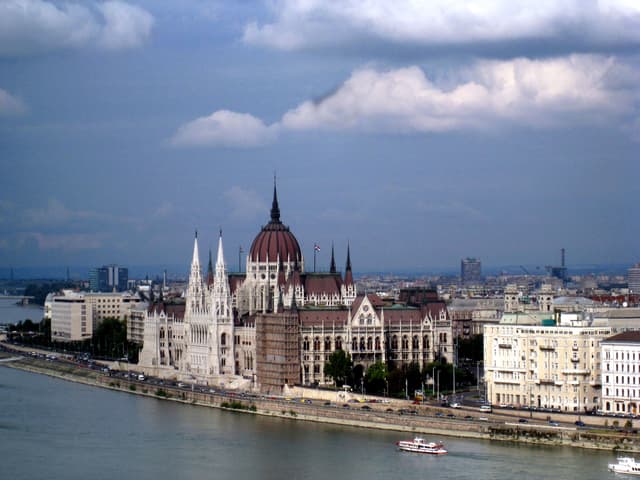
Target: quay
397, 415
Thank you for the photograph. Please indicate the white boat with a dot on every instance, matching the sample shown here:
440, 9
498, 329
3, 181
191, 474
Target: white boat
625, 465
419, 445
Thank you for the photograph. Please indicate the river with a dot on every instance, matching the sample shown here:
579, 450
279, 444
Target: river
50, 428
12, 313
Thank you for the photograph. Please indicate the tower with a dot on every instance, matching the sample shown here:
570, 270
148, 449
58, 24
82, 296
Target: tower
222, 333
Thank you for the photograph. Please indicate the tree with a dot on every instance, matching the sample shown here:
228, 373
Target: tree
376, 378
338, 367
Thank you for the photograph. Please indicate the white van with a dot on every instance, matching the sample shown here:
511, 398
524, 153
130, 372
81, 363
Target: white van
141, 377
485, 408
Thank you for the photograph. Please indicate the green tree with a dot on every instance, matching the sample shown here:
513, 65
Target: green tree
338, 367
376, 378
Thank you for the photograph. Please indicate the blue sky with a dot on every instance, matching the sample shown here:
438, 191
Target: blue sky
420, 132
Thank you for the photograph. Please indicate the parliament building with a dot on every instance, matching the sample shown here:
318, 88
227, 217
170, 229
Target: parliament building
277, 324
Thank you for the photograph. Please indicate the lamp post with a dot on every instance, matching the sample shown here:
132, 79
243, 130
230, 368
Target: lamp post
438, 397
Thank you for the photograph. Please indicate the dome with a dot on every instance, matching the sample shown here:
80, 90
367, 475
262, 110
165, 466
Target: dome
275, 240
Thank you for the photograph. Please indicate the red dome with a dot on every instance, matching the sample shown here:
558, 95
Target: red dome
275, 240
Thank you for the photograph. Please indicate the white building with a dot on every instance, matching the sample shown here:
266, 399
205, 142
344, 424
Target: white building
621, 373
75, 315
71, 317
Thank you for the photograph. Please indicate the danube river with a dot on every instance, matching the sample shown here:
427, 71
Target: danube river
12, 313
50, 428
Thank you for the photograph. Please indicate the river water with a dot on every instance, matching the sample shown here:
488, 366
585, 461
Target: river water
52, 429
12, 313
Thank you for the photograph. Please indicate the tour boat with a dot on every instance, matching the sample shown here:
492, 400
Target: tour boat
419, 445
625, 465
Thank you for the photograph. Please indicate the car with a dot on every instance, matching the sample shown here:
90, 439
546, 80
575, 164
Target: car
455, 405
522, 420
580, 423
554, 424
439, 414
468, 417
389, 410
345, 405
450, 415
365, 407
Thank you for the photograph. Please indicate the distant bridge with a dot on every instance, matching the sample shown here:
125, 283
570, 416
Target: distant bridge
24, 299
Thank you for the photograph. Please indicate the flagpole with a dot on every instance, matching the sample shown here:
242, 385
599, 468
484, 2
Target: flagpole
315, 249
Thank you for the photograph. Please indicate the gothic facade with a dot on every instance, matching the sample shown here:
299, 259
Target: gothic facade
228, 330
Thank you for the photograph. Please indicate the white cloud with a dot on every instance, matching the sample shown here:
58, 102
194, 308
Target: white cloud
567, 91
36, 26
226, 129
319, 23
575, 89
10, 105
245, 204
125, 25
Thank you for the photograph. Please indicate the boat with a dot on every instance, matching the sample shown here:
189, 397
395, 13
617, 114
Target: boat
420, 445
625, 465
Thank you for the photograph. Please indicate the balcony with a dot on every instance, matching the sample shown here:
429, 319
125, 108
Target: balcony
550, 348
505, 345
576, 371
575, 359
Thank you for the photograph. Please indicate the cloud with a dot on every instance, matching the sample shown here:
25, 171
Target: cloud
319, 24
30, 27
245, 204
226, 129
529, 92
10, 105
566, 91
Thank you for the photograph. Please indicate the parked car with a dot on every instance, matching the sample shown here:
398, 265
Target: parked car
580, 423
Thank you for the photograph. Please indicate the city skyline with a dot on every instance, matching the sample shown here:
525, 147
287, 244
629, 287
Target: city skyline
420, 136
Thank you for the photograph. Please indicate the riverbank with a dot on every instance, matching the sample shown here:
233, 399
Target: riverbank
428, 421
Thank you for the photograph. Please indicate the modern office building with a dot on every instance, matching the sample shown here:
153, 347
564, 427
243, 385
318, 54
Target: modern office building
633, 279
470, 271
109, 278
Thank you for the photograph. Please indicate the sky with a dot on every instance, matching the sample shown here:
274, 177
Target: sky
419, 133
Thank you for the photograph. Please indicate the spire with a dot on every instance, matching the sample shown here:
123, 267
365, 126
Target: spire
196, 255
348, 275
332, 268
210, 271
275, 210
280, 302
294, 305
220, 258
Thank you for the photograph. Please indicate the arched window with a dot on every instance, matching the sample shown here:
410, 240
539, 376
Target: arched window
394, 342
362, 343
305, 344
405, 342
223, 339
338, 343
378, 343
327, 344
425, 342
369, 343
354, 344
416, 342
316, 344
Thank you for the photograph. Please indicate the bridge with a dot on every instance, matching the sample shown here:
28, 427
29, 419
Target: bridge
24, 299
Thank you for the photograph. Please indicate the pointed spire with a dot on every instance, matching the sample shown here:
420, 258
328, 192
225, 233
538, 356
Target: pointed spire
220, 258
332, 268
275, 210
348, 275
196, 255
210, 271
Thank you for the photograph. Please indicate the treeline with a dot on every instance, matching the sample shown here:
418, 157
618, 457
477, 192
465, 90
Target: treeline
39, 291
383, 379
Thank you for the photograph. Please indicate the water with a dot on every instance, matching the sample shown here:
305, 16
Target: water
50, 428
12, 313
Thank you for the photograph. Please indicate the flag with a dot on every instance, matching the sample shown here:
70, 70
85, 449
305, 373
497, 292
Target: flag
316, 247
